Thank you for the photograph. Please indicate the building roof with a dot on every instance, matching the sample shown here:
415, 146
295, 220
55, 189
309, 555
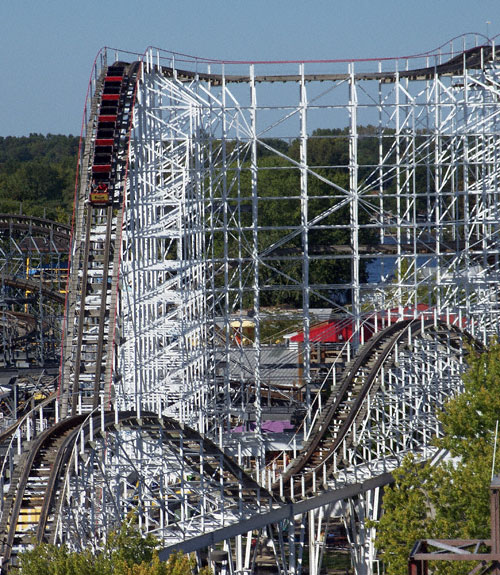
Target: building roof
340, 329
267, 427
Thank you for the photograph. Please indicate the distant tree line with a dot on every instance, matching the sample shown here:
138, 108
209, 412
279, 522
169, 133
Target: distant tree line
37, 175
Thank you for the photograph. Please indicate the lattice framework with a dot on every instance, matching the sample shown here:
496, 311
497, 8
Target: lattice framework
202, 251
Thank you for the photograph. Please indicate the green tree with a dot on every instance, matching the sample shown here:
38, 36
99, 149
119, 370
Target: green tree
51, 560
126, 552
279, 206
406, 515
37, 175
450, 500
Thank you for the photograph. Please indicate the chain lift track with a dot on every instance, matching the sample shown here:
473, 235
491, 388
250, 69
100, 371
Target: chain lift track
87, 363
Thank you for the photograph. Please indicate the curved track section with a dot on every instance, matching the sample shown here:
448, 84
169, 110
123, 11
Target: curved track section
54, 231
84, 474
472, 58
33, 276
32, 286
74, 471
27, 489
339, 426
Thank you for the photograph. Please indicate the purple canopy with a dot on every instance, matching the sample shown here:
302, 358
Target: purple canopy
267, 427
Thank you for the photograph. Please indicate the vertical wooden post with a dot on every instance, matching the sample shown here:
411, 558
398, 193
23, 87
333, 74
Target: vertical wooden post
495, 522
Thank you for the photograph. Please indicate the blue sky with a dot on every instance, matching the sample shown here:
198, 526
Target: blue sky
47, 47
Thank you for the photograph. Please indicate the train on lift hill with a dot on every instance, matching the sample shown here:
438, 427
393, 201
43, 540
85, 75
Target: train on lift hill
107, 135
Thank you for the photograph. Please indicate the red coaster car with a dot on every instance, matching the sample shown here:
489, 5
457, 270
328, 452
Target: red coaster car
99, 194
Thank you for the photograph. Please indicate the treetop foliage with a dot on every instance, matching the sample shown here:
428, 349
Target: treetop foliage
52, 148
37, 175
449, 500
126, 552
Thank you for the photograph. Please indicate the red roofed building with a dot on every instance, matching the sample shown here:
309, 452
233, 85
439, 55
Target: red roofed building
341, 330
328, 338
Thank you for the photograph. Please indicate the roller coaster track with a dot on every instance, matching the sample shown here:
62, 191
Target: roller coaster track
87, 362
35, 490
91, 305
471, 58
28, 484
33, 287
8, 432
39, 236
34, 263
53, 231
347, 402
91, 308
36, 487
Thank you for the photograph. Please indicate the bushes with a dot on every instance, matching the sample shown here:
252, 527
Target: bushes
126, 552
